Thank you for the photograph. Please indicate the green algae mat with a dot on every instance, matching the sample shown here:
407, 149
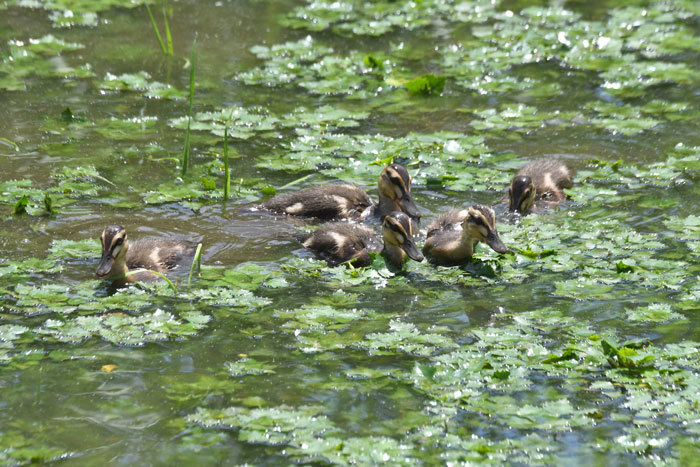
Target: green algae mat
580, 345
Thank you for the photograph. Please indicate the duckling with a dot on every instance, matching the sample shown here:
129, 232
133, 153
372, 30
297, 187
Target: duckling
539, 184
452, 236
344, 200
154, 254
339, 242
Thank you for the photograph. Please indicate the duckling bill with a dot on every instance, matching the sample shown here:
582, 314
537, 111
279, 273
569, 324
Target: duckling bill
340, 242
539, 184
348, 201
118, 256
453, 235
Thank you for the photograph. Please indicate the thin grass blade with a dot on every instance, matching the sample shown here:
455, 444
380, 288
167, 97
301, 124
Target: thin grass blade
170, 283
9, 143
192, 68
294, 182
227, 173
155, 29
197, 260
168, 36
186, 152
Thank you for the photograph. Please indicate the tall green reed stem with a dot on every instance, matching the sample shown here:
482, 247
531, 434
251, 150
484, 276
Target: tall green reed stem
168, 36
197, 260
227, 172
169, 49
186, 152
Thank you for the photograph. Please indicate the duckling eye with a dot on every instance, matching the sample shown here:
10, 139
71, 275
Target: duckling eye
395, 180
119, 241
477, 220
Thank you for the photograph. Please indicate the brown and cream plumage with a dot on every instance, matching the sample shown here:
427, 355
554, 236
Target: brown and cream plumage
339, 242
452, 236
539, 184
119, 256
348, 201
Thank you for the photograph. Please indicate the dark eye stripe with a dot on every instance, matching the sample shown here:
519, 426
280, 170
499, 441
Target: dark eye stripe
118, 242
397, 181
396, 227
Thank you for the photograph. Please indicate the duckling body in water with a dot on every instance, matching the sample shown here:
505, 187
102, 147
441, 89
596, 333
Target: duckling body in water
339, 242
539, 184
452, 236
325, 202
348, 201
119, 256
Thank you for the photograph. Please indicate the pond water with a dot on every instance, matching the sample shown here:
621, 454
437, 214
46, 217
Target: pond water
579, 345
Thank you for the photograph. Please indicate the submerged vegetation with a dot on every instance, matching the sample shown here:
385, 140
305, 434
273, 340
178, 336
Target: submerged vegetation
578, 345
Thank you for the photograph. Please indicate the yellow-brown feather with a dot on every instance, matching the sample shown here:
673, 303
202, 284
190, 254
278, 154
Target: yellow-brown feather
549, 177
452, 236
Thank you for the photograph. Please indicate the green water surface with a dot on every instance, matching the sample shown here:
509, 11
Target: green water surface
578, 346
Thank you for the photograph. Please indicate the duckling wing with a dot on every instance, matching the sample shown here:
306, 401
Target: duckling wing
325, 202
157, 255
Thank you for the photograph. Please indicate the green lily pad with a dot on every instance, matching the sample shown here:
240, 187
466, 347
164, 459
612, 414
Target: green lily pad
657, 312
249, 366
139, 82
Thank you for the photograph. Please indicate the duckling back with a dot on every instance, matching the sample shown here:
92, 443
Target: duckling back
452, 236
339, 242
450, 221
158, 255
443, 243
326, 202
550, 177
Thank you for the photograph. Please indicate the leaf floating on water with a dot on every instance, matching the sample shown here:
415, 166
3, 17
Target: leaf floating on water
656, 312
139, 82
427, 85
249, 366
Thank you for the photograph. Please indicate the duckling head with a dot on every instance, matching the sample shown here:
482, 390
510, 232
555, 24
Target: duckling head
480, 224
522, 194
114, 248
395, 187
398, 237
